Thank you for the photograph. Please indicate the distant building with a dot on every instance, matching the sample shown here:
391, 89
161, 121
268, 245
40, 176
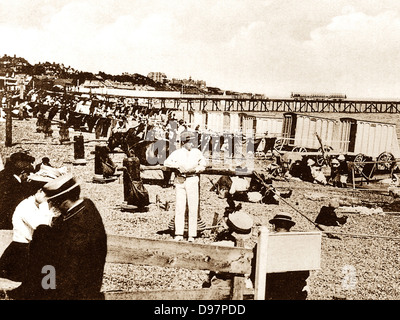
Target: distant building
190, 82
14, 81
66, 83
157, 76
93, 84
13, 64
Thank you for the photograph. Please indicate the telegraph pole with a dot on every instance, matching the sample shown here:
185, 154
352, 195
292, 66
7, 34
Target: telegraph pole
8, 120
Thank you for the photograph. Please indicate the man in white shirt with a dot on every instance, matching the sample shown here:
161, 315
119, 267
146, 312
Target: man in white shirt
189, 162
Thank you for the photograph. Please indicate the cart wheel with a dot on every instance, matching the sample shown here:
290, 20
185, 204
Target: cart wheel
321, 160
387, 165
360, 158
299, 149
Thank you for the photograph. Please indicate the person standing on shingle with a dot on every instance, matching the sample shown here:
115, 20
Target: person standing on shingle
189, 162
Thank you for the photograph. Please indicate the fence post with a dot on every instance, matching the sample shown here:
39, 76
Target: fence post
131, 173
98, 169
8, 142
79, 147
238, 281
261, 264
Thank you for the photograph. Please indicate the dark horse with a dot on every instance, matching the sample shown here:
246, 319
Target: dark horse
149, 150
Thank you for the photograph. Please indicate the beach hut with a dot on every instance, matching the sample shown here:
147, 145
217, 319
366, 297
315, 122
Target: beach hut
234, 122
299, 132
370, 138
268, 126
215, 121
247, 123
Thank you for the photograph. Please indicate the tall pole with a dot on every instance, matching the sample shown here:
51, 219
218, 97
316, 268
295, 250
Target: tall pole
183, 107
8, 120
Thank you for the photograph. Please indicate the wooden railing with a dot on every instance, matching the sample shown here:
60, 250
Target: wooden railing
275, 252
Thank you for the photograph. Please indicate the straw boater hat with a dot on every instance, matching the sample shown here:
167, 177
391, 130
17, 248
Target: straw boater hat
283, 216
341, 157
60, 186
240, 222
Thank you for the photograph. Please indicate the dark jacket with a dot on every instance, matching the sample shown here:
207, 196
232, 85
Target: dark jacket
286, 285
12, 192
343, 167
76, 246
300, 169
328, 217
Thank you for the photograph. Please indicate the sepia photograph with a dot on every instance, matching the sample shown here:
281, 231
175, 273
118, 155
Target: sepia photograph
214, 152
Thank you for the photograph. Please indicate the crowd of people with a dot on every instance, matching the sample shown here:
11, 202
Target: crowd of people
85, 112
335, 171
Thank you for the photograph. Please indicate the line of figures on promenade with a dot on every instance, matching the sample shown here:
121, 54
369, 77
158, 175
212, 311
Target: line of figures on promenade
83, 114
103, 116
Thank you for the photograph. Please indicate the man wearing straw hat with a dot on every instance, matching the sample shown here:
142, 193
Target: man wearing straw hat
236, 226
286, 285
189, 162
71, 251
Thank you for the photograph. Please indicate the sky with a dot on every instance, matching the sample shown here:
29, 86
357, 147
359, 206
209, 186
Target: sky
271, 47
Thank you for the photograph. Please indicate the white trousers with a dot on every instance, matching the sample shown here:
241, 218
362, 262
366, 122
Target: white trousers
187, 192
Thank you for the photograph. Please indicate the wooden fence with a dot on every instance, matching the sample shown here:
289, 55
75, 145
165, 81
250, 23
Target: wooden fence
275, 252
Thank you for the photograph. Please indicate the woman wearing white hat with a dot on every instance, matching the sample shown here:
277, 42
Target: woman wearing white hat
28, 215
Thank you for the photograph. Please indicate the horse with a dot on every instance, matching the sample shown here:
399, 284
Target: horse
150, 151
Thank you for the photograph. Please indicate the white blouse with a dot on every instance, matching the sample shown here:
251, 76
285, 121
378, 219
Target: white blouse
27, 217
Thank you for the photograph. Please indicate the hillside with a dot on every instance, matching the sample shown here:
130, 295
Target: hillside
46, 75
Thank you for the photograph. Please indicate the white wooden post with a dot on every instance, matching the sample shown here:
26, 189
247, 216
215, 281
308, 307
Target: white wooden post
283, 252
261, 264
